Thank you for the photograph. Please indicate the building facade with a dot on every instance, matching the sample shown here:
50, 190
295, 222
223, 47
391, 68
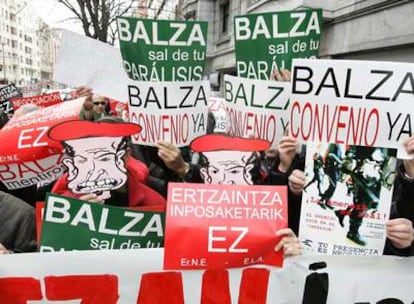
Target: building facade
365, 29
26, 45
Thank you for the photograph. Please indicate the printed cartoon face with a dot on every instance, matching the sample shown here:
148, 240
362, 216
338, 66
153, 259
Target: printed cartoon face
227, 167
97, 164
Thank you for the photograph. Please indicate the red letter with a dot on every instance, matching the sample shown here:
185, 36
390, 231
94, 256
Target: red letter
295, 105
215, 287
19, 290
161, 287
92, 289
253, 286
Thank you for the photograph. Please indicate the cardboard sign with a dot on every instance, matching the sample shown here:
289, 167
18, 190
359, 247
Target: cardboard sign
347, 199
75, 69
34, 172
219, 226
24, 139
163, 50
361, 103
268, 42
169, 111
71, 224
7, 93
256, 108
42, 101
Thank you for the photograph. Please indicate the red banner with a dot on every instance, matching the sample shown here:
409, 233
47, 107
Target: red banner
220, 226
43, 101
24, 139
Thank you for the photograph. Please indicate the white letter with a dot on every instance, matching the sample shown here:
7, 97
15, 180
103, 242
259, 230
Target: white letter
140, 33
123, 29
300, 17
155, 35
313, 24
85, 209
102, 223
136, 217
242, 28
22, 137
211, 238
156, 221
53, 206
260, 28
244, 231
196, 35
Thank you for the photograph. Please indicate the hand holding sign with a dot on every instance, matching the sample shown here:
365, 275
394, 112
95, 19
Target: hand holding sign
287, 151
409, 163
297, 181
289, 242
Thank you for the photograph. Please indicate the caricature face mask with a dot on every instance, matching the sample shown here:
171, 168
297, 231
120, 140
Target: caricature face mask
97, 165
228, 168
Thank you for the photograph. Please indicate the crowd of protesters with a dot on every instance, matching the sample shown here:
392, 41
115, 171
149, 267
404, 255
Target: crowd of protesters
150, 169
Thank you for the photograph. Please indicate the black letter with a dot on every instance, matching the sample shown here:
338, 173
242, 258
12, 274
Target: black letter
297, 79
135, 94
334, 84
348, 80
400, 90
388, 74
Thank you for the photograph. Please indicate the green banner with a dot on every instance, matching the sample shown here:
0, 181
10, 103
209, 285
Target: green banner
163, 50
268, 42
71, 224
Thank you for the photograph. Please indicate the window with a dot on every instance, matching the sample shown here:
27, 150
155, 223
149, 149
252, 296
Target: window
224, 17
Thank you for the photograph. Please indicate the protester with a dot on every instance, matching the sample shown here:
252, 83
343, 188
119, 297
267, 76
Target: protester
17, 225
399, 228
100, 104
280, 166
405, 199
100, 166
87, 112
95, 106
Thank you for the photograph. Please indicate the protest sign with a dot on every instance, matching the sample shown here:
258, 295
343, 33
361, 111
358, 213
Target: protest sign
34, 172
24, 138
7, 93
169, 111
136, 276
219, 226
75, 69
347, 199
362, 103
216, 106
42, 101
163, 50
256, 108
28, 156
268, 42
71, 224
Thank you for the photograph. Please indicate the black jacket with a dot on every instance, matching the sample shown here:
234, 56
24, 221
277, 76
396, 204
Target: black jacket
17, 224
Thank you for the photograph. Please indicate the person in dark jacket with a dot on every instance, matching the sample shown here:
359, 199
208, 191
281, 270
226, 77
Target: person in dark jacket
17, 225
400, 232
